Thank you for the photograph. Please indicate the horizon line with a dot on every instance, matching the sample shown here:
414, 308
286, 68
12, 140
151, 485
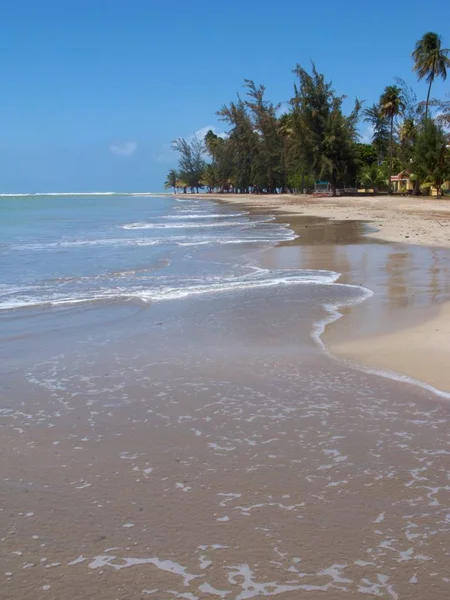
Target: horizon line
25, 194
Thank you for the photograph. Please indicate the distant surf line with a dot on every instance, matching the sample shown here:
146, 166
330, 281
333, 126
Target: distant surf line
66, 194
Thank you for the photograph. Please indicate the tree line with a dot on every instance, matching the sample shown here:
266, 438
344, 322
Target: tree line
267, 150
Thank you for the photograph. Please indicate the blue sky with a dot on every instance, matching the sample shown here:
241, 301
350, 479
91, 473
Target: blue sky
93, 91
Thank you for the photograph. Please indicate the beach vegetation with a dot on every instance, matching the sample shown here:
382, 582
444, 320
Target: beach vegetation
432, 156
374, 177
191, 163
380, 130
326, 136
311, 142
171, 181
392, 105
431, 60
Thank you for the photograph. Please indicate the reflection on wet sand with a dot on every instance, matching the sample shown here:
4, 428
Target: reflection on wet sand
404, 326
409, 282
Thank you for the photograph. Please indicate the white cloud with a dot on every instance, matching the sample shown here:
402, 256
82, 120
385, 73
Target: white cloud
200, 133
366, 135
125, 149
169, 156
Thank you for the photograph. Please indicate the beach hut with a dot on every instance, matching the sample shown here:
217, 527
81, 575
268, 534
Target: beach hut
322, 187
402, 182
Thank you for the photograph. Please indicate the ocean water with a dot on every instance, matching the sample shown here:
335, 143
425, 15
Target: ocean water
172, 426
76, 263
59, 251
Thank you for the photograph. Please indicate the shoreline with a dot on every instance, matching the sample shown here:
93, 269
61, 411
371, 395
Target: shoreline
401, 348
411, 220
413, 344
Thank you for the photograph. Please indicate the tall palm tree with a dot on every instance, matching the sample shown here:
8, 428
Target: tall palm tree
171, 181
380, 135
430, 61
392, 104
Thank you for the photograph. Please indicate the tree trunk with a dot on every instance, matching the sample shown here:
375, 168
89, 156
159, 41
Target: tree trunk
428, 99
333, 186
391, 155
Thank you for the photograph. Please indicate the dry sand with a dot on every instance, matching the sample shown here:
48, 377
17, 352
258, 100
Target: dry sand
410, 342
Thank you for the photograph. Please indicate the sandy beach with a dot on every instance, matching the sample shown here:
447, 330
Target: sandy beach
413, 220
409, 333
172, 428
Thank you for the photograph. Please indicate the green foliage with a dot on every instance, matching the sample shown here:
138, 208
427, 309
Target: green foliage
380, 130
209, 177
254, 152
430, 60
171, 181
392, 104
264, 151
242, 143
374, 177
300, 181
443, 115
326, 137
431, 156
191, 163
367, 154
407, 134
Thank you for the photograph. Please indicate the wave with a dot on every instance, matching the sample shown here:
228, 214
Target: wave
260, 278
207, 216
266, 237
87, 243
176, 225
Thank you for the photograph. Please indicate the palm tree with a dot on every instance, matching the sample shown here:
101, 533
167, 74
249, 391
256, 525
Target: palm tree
171, 181
408, 131
373, 177
392, 104
430, 61
380, 135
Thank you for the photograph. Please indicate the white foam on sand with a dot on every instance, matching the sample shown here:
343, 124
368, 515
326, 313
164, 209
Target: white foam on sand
334, 314
169, 566
76, 561
208, 589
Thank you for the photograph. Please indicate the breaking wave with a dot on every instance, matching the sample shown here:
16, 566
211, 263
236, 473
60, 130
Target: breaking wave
159, 289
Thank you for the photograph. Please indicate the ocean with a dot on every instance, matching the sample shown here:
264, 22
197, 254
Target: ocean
86, 263
174, 427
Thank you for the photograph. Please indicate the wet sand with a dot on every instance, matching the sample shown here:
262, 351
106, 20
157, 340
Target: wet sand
141, 467
427, 360
268, 471
364, 240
